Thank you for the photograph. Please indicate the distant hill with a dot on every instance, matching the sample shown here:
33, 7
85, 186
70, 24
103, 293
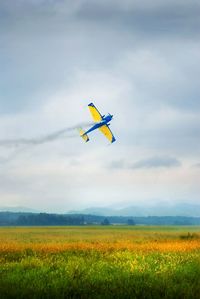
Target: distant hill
162, 209
18, 209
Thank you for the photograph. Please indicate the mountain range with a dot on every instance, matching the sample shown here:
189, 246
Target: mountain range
162, 209
18, 209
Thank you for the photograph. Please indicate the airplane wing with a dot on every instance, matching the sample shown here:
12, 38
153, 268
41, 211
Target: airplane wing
95, 113
107, 132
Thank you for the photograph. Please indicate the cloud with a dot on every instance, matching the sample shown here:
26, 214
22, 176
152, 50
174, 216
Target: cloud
38, 58
117, 164
149, 18
157, 162
197, 165
153, 162
139, 60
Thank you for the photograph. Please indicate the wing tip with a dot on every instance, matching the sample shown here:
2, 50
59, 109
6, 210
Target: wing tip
83, 135
113, 139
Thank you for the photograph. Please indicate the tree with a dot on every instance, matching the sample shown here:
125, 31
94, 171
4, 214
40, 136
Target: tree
105, 222
131, 222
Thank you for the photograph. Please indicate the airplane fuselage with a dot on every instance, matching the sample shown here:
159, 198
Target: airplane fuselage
101, 122
105, 121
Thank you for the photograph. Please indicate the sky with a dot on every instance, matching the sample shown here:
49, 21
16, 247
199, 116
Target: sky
138, 60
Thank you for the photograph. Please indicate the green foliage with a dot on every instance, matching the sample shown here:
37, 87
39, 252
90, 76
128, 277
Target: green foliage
39, 219
92, 275
189, 236
105, 222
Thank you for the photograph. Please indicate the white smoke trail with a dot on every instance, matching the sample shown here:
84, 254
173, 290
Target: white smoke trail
17, 146
43, 139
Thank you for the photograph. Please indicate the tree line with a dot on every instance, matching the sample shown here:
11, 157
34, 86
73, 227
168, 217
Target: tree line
40, 219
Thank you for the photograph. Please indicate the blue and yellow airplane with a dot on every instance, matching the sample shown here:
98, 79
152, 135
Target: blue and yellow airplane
101, 123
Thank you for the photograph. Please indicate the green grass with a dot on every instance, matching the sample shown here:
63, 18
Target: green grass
28, 272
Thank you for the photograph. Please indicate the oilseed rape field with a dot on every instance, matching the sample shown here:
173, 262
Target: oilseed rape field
100, 262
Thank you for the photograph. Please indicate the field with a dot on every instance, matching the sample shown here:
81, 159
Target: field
100, 262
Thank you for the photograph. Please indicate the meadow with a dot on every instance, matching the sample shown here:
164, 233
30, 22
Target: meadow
100, 262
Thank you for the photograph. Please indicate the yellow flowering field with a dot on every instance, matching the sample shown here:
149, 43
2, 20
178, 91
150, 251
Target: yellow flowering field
100, 262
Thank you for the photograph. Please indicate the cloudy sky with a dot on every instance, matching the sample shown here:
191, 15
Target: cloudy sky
139, 60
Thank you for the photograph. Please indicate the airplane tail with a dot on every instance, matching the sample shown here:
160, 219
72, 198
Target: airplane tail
83, 135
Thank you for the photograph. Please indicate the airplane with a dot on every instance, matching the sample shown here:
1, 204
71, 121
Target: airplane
101, 123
